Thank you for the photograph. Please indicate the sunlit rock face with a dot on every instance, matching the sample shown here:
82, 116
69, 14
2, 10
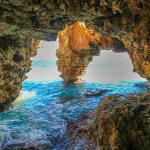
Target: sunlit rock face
77, 45
74, 51
141, 63
15, 61
110, 24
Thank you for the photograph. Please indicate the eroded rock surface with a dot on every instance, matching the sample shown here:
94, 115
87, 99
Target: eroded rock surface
141, 63
15, 62
119, 122
76, 51
122, 122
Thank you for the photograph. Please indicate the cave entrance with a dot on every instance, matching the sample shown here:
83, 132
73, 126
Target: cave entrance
78, 45
111, 67
44, 67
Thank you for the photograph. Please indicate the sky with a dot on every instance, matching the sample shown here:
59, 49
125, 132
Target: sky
44, 63
109, 67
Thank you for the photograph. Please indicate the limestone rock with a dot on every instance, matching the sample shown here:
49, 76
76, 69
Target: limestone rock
122, 122
126, 21
119, 122
15, 62
74, 51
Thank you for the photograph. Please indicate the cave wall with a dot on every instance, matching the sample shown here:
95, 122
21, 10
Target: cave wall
15, 62
121, 122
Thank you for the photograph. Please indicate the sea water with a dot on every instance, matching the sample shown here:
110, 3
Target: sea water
39, 116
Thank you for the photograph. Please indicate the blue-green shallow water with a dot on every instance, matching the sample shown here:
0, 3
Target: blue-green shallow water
39, 116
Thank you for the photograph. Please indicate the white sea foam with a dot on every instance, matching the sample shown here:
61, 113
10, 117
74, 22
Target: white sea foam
24, 95
27, 94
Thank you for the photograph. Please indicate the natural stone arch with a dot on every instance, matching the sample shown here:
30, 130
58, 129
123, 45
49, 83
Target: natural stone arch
24, 22
77, 46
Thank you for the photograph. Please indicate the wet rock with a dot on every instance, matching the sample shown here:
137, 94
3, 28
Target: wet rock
122, 122
2, 107
143, 85
13, 67
22, 21
119, 122
89, 93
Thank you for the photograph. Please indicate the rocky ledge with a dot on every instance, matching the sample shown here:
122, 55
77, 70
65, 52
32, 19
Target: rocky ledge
119, 122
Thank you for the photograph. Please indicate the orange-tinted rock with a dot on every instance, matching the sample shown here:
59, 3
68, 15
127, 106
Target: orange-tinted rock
77, 46
141, 64
127, 21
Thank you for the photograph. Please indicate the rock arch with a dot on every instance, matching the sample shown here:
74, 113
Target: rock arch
78, 44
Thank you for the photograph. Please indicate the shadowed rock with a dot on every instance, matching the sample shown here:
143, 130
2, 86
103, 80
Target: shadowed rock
17, 58
89, 93
119, 122
77, 46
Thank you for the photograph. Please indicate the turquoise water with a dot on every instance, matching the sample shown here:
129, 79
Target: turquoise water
39, 116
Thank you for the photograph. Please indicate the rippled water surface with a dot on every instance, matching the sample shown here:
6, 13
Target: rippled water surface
39, 116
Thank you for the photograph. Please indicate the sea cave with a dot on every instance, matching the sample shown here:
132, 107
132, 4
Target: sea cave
74, 75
